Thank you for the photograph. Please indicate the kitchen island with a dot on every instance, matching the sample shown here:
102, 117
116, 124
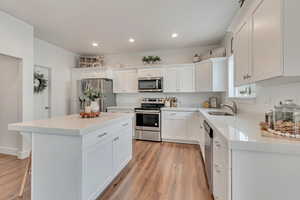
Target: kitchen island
75, 158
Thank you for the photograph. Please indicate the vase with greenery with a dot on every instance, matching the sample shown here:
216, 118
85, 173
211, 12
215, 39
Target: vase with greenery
90, 98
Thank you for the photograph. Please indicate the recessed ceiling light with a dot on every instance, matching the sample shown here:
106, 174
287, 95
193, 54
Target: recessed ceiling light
174, 35
131, 40
95, 44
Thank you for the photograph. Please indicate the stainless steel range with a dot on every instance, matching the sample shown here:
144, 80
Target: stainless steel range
148, 119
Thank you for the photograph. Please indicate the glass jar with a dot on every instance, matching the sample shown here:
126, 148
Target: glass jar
287, 118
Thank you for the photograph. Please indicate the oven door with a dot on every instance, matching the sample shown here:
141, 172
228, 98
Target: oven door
150, 85
148, 120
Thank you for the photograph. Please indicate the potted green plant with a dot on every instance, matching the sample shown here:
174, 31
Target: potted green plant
90, 98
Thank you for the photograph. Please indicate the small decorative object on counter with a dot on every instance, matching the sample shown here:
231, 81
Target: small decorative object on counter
90, 114
205, 104
213, 102
151, 60
174, 102
196, 58
91, 61
284, 120
89, 101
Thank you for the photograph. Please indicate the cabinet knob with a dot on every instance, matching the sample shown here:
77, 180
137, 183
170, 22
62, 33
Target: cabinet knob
125, 125
117, 138
102, 135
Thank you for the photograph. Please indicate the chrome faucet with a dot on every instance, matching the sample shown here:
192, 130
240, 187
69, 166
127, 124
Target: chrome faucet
232, 107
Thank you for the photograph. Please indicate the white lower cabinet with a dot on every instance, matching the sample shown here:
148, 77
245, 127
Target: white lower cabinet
221, 168
105, 154
201, 135
121, 150
180, 126
98, 165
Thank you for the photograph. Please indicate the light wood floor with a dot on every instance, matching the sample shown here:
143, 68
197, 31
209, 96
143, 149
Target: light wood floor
158, 171
11, 174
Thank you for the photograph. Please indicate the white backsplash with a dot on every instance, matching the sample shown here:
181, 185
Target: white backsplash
184, 99
269, 95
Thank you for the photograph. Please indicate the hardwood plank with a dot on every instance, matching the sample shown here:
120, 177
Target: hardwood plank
158, 171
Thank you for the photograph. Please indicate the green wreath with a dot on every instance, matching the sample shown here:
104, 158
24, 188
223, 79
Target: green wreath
40, 83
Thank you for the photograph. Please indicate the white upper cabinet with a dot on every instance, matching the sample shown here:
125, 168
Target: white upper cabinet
179, 79
211, 75
125, 81
268, 42
170, 82
153, 72
242, 55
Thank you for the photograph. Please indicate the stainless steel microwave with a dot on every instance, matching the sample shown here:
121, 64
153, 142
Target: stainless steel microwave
150, 84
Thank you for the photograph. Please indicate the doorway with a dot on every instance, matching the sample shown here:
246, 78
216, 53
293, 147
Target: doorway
42, 98
10, 103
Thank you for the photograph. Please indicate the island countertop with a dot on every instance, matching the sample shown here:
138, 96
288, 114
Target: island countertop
72, 125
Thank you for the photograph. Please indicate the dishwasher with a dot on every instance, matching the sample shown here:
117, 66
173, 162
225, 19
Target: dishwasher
209, 134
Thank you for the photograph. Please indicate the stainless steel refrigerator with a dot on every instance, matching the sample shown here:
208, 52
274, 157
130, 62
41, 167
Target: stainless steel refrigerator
105, 86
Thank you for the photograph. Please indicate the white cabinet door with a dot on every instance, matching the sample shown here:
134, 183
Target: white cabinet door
125, 81
150, 73
117, 82
267, 40
193, 133
181, 126
170, 80
221, 167
122, 149
242, 54
174, 125
132, 81
201, 137
97, 168
186, 78
204, 76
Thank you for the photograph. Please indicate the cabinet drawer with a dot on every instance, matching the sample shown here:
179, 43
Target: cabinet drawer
178, 115
220, 182
101, 135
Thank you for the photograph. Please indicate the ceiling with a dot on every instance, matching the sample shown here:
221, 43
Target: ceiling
76, 24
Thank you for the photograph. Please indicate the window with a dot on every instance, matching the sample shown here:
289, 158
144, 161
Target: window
245, 91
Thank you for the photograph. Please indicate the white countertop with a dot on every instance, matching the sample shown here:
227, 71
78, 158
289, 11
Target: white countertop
122, 107
72, 125
180, 109
243, 132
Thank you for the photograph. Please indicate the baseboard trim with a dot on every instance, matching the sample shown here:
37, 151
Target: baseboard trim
23, 154
181, 141
8, 151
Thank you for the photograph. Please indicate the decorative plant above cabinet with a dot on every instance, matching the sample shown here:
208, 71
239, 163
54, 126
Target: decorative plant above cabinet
151, 60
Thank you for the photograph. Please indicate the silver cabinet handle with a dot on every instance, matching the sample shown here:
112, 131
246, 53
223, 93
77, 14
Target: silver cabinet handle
217, 168
218, 144
117, 138
125, 125
102, 135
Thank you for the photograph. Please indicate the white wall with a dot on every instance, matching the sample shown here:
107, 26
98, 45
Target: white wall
16, 40
170, 56
60, 61
184, 99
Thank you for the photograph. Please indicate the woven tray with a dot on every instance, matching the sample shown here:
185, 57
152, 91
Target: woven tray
272, 135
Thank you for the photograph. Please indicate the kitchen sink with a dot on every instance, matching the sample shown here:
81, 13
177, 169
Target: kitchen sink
220, 113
